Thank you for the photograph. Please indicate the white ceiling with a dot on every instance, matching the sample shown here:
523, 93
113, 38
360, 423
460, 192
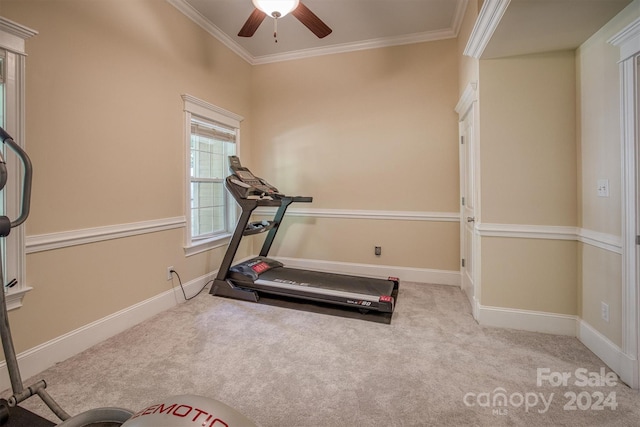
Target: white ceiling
356, 24
534, 26
520, 27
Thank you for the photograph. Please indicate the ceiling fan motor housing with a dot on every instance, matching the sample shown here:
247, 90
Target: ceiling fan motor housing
276, 8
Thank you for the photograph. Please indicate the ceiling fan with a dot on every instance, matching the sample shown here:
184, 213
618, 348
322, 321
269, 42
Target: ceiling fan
278, 9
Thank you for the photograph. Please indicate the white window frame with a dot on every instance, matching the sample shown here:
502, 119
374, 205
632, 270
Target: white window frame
197, 107
12, 45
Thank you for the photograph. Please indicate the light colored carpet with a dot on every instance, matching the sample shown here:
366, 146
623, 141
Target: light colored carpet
433, 366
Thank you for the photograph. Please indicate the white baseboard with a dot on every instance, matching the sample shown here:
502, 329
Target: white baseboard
624, 365
527, 320
473, 302
621, 363
41, 357
408, 274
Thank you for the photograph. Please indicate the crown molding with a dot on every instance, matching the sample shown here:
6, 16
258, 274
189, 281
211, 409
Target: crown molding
428, 36
206, 25
490, 15
353, 47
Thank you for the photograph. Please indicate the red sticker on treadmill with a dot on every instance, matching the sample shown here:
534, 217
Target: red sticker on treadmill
260, 267
386, 298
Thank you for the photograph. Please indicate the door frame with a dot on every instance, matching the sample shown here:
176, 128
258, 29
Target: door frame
467, 108
628, 40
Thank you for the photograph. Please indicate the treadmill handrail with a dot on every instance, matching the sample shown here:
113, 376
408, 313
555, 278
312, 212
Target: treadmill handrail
301, 199
268, 241
248, 206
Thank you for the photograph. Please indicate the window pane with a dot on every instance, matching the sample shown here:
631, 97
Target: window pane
207, 208
212, 210
207, 157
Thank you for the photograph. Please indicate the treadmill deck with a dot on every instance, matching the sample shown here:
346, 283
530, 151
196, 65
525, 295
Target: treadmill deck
328, 282
264, 275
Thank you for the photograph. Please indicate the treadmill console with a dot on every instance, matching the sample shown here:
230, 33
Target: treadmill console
248, 186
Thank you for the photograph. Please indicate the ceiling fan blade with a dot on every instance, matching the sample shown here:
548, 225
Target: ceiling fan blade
311, 21
252, 24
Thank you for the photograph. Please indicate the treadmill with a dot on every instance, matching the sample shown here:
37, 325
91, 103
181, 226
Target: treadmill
262, 275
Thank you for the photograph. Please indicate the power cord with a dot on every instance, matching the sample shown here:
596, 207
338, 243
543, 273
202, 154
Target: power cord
182, 287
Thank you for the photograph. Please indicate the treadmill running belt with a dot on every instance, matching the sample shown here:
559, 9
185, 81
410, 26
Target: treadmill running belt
338, 282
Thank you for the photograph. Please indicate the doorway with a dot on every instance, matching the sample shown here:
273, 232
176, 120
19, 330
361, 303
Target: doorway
628, 40
469, 188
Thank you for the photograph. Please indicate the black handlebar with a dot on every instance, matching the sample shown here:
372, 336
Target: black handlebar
4, 135
25, 204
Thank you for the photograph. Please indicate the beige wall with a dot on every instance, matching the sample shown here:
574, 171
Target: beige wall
373, 130
601, 282
528, 168
415, 244
529, 274
528, 155
104, 125
599, 127
600, 155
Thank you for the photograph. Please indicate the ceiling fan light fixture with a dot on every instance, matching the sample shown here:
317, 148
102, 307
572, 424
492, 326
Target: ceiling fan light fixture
276, 8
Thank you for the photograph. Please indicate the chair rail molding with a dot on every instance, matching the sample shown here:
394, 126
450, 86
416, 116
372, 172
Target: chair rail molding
50, 241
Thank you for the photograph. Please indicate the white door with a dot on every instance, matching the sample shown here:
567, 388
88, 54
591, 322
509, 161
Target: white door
636, 318
468, 206
633, 318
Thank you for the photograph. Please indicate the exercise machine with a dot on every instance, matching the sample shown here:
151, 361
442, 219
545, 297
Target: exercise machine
262, 275
175, 411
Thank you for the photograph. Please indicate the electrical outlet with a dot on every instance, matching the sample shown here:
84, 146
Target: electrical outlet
604, 311
378, 250
169, 273
603, 187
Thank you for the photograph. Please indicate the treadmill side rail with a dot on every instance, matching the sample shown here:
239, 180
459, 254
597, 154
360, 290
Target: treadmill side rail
387, 303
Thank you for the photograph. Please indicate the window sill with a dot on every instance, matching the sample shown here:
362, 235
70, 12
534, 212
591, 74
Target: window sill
14, 297
206, 244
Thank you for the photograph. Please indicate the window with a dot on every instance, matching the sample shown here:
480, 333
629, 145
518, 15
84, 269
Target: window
212, 135
12, 65
211, 145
